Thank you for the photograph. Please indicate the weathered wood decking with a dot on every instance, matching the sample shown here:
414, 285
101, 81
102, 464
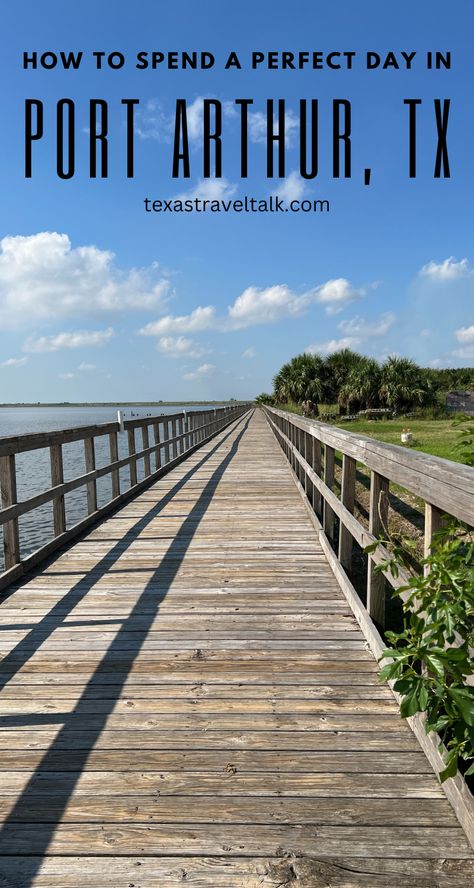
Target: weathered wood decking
187, 700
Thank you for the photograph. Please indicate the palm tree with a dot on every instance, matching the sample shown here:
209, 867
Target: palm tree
301, 379
362, 386
338, 368
405, 385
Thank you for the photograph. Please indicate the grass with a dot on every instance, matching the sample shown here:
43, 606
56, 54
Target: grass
437, 437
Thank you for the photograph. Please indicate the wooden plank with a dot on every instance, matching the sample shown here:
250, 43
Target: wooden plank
232, 839
105, 871
170, 809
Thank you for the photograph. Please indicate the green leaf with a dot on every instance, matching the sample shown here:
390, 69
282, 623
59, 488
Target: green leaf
410, 704
451, 768
464, 701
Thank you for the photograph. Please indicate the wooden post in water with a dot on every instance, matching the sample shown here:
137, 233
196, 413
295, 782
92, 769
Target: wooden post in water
131, 452
348, 500
115, 474
11, 537
378, 519
89, 456
57, 477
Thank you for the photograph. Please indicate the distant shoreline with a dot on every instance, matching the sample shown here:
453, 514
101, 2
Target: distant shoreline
117, 403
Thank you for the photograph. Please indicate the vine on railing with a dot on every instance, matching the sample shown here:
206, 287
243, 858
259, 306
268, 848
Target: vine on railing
431, 659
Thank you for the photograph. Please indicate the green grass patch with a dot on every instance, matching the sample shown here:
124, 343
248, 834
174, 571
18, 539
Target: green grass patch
434, 436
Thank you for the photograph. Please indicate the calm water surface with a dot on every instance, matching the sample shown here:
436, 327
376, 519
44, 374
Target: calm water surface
33, 469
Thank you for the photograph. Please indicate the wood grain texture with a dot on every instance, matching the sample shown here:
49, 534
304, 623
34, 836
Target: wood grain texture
188, 699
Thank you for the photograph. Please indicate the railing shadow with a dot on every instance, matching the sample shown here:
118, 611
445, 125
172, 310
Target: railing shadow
21, 832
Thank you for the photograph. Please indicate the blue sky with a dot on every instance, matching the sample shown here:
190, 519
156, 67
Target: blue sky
100, 300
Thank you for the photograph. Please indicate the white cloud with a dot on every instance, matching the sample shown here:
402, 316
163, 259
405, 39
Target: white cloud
202, 318
465, 334
210, 189
14, 362
74, 339
337, 293
359, 327
201, 372
257, 305
84, 367
249, 353
292, 188
467, 353
333, 345
179, 347
449, 270
266, 306
43, 276
67, 375
257, 125
153, 122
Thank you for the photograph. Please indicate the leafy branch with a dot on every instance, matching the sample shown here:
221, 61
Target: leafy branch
430, 660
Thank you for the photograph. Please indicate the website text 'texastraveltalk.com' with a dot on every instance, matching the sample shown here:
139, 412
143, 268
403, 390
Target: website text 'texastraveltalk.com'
271, 204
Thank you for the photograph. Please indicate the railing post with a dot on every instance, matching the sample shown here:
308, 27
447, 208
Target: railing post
316, 465
156, 438
307, 481
173, 435
11, 536
131, 453
434, 520
166, 432
348, 500
328, 514
115, 473
89, 457
180, 433
190, 430
57, 477
378, 520
146, 444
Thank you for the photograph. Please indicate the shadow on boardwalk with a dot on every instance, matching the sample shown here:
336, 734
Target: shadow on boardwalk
38, 841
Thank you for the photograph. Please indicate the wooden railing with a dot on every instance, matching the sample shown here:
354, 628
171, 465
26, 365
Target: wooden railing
447, 488
174, 437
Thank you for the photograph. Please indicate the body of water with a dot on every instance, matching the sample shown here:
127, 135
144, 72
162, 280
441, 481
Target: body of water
33, 468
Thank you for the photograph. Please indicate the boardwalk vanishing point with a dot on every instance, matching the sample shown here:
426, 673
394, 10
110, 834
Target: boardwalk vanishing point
187, 699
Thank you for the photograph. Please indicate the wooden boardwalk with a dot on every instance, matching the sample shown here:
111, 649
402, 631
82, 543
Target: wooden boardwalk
187, 700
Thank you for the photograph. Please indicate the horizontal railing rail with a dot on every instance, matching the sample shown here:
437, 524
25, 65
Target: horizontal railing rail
447, 488
174, 437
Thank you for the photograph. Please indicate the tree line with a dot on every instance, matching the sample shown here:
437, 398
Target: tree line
355, 382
